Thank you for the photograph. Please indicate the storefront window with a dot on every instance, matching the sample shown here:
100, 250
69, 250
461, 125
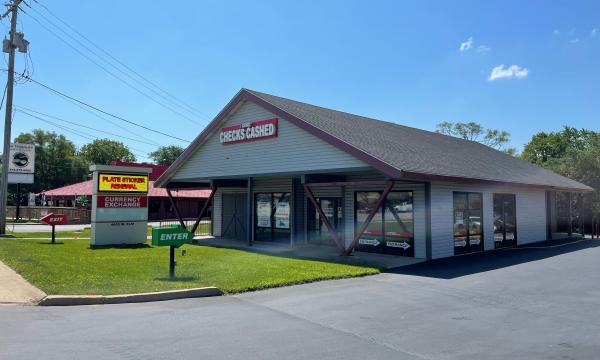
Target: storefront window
468, 224
372, 238
391, 230
563, 216
272, 216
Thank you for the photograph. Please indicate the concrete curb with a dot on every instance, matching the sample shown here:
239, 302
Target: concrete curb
68, 300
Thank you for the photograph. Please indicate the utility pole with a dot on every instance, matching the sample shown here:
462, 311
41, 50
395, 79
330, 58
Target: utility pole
13, 8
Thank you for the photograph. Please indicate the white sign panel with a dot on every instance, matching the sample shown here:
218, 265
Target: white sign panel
263, 213
14, 178
282, 215
22, 159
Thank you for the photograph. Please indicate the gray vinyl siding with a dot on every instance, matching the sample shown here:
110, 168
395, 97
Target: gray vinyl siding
418, 208
217, 219
272, 184
530, 208
294, 150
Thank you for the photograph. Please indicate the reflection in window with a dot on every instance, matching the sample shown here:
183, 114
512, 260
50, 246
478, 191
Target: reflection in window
272, 216
391, 230
468, 234
563, 218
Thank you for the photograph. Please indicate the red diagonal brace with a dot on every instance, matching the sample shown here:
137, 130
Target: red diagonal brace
206, 205
330, 229
176, 209
388, 188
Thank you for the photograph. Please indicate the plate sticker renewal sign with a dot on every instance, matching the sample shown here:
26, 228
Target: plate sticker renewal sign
122, 183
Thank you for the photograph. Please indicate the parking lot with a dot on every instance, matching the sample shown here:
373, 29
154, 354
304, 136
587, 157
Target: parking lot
527, 303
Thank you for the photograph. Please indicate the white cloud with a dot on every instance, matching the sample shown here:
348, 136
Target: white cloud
466, 45
483, 49
593, 33
513, 71
574, 40
556, 32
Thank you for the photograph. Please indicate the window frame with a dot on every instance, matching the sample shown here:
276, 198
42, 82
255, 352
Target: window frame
481, 246
382, 209
272, 228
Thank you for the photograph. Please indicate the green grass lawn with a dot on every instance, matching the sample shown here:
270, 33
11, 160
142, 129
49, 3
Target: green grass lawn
71, 267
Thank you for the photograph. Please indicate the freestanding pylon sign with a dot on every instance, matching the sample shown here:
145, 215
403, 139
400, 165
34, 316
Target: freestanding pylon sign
119, 205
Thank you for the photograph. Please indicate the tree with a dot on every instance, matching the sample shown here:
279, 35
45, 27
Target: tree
545, 147
56, 162
103, 151
166, 155
571, 152
473, 131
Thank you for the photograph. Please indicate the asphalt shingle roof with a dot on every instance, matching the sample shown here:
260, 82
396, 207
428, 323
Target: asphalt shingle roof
419, 151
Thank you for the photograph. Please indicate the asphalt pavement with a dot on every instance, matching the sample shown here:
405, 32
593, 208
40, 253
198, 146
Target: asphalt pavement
534, 303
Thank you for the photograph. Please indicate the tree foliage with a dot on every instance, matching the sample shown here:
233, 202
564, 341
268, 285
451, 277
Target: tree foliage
571, 152
497, 139
166, 155
103, 151
56, 161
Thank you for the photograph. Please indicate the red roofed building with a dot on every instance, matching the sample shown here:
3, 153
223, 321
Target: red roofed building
189, 202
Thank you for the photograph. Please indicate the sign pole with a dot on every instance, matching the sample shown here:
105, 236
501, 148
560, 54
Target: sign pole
13, 9
172, 261
53, 234
18, 209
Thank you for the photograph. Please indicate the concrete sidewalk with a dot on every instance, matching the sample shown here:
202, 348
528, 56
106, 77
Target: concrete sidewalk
16, 290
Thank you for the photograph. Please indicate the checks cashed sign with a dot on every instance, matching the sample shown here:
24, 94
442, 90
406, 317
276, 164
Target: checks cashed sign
252, 131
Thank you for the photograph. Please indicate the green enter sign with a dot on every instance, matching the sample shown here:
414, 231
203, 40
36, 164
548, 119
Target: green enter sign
171, 236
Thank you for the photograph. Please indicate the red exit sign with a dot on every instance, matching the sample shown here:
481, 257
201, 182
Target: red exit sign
55, 219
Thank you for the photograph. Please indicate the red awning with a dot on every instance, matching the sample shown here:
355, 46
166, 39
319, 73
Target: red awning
85, 188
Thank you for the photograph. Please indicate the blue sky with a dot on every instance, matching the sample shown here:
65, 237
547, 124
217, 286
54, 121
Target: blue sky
394, 60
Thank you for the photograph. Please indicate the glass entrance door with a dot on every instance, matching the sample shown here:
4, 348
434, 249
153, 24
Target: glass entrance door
468, 227
505, 220
317, 231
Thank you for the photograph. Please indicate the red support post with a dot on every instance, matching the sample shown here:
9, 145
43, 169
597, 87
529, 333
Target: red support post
204, 207
330, 229
181, 222
364, 226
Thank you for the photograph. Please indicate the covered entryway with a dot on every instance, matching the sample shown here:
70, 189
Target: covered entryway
234, 216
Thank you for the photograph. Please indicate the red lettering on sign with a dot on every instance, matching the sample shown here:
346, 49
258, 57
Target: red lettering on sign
258, 130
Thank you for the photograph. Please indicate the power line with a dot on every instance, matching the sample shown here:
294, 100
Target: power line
103, 67
78, 133
101, 117
181, 102
81, 125
56, 92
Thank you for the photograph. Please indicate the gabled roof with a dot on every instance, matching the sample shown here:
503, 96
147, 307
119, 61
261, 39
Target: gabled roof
85, 188
400, 152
